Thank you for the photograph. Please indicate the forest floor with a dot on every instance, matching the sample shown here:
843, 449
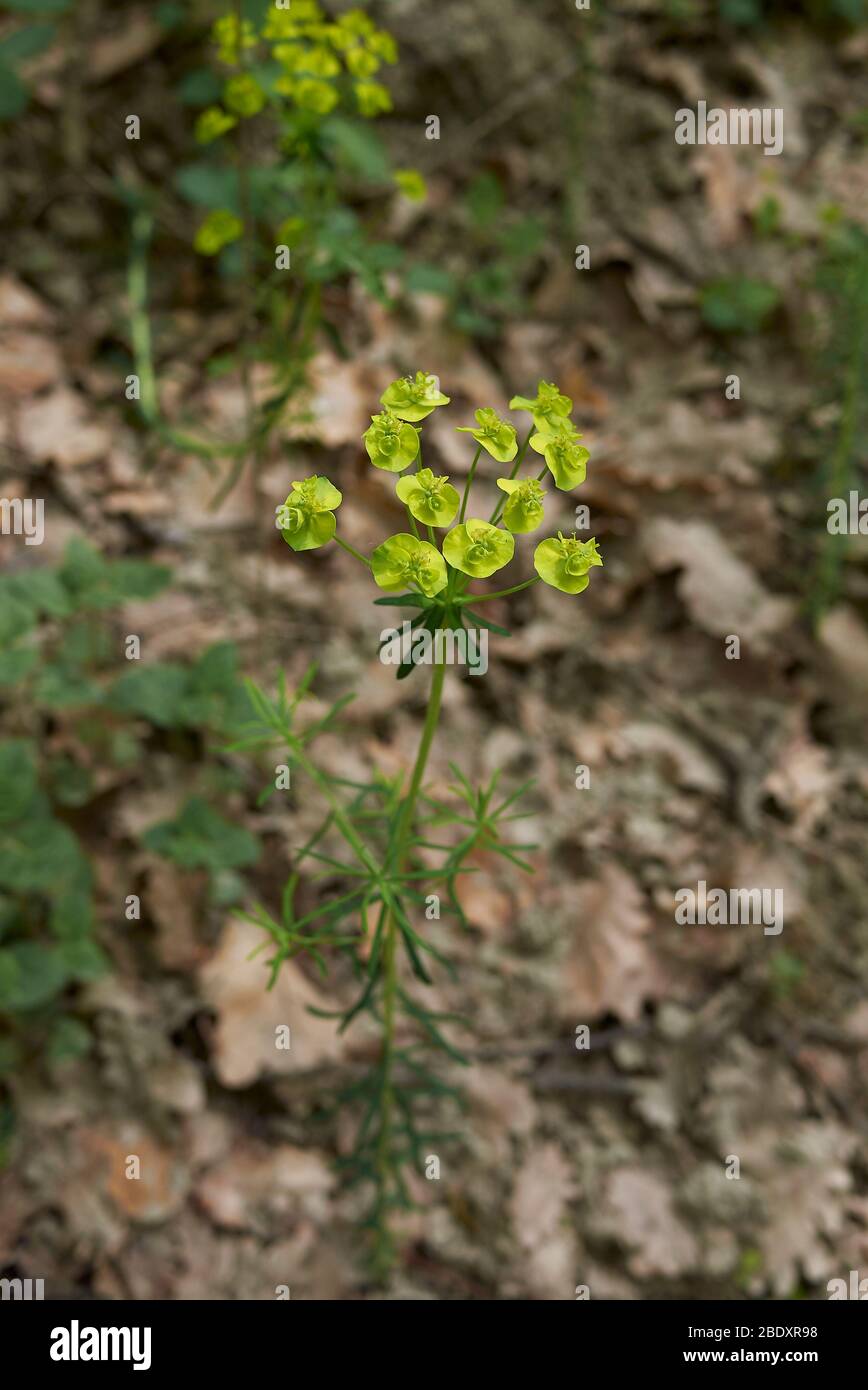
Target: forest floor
607, 1167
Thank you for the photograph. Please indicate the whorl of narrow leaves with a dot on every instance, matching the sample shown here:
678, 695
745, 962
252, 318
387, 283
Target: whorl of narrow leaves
352, 853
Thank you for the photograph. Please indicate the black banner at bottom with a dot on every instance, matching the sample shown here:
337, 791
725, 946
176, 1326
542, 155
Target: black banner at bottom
83, 1338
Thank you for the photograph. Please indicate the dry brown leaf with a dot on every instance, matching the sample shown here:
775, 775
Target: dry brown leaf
162, 1186
344, 396
508, 1102
609, 967
639, 1213
174, 901
245, 1040
28, 362
20, 307
844, 637
686, 762
538, 1206
129, 43
483, 898
721, 593
254, 1184
803, 1178
58, 427
803, 781
726, 192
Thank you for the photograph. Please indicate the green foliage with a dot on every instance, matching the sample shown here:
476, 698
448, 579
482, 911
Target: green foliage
45, 885
822, 14
206, 694
284, 129
500, 249
37, 6
737, 304
58, 654
19, 47
372, 897
375, 847
199, 838
786, 972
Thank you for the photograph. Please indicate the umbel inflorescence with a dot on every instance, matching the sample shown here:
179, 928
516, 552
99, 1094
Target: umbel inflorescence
314, 66
435, 576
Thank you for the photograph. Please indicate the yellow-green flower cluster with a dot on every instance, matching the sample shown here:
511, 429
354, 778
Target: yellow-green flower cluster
232, 38
319, 59
471, 549
564, 562
219, 229
556, 436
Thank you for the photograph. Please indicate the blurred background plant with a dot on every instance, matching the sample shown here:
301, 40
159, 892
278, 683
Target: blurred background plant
284, 129
74, 729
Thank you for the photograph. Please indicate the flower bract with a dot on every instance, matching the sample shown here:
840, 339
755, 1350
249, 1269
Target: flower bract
549, 407
564, 562
219, 229
306, 517
403, 560
495, 435
413, 399
432, 500
524, 508
477, 548
565, 459
391, 443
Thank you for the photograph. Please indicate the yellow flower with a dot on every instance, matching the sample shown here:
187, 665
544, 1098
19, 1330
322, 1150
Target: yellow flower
219, 229
212, 123
411, 184
243, 95
564, 562
477, 548
404, 559
373, 98
433, 501
413, 398
306, 517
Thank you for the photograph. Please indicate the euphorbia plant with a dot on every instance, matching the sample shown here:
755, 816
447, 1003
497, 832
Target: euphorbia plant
298, 91
392, 869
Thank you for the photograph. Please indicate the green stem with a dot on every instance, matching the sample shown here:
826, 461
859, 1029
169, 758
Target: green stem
351, 550
519, 459
143, 352
468, 485
390, 966
252, 436
140, 323
501, 593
